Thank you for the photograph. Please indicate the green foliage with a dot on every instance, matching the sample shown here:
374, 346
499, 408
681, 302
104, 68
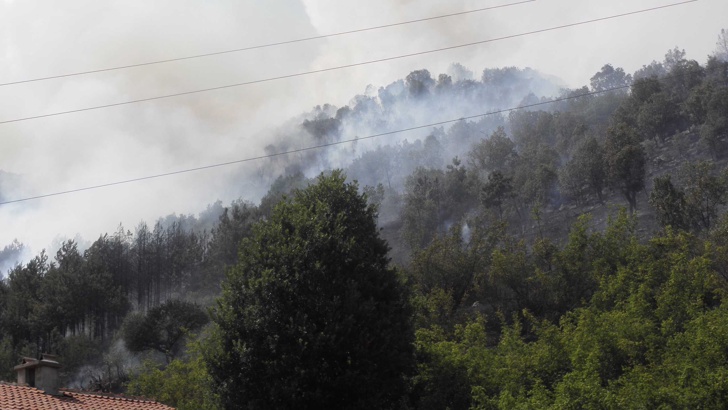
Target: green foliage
535, 177
532, 128
554, 312
281, 187
234, 224
432, 199
423, 205
658, 117
626, 162
714, 131
78, 350
323, 128
650, 338
539, 186
20, 315
609, 77
585, 173
7, 359
643, 89
695, 205
374, 195
447, 367
467, 371
312, 316
496, 192
571, 128
163, 328
669, 204
418, 83
445, 275
184, 383
496, 153
510, 278
460, 187
704, 191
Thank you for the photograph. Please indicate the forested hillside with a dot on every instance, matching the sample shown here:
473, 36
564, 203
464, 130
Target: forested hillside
565, 249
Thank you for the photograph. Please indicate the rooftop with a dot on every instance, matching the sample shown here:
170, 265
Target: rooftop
19, 397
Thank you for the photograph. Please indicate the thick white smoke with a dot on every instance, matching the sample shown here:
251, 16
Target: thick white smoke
42, 37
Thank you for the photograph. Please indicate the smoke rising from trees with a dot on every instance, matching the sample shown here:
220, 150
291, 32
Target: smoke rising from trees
95, 147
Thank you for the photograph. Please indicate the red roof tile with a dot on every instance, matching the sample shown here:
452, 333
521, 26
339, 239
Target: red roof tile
16, 397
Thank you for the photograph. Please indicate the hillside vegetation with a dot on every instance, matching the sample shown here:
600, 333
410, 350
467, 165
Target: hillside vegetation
568, 254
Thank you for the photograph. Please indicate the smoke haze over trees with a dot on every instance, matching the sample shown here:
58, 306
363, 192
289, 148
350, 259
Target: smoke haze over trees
84, 149
569, 254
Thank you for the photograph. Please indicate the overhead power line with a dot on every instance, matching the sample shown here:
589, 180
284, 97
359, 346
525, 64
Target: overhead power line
279, 43
315, 147
97, 107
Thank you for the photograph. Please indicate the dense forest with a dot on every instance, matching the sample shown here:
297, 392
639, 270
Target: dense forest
565, 249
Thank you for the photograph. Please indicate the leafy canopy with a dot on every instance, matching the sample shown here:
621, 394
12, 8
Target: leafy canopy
163, 328
312, 316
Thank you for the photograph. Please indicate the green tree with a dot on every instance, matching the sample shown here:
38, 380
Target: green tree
535, 178
64, 292
497, 153
714, 131
609, 77
184, 383
163, 328
381, 165
705, 192
281, 187
234, 224
20, 316
643, 89
312, 316
531, 128
539, 187
496, 191
626, 161
423, 207
418, 83
659, 117
8, 359
449, 368
669, 204
585, 172
571, 128
444, 274
459, 190
323, 128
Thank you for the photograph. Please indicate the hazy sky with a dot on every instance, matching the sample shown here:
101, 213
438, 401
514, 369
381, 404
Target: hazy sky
42, 38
